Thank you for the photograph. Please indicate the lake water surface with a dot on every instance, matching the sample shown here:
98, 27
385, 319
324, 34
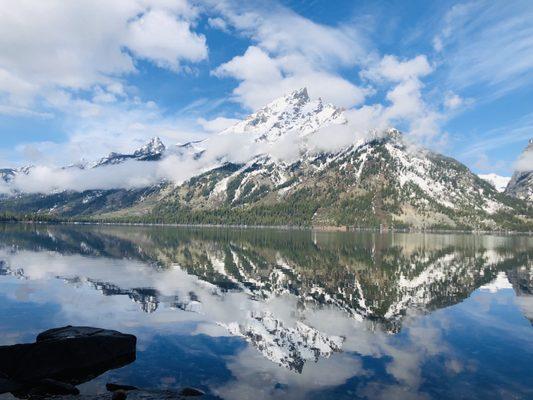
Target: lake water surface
261, 314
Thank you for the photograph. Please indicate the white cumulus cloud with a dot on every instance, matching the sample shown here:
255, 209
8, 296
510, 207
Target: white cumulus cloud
58, 45
288, 52
158, 36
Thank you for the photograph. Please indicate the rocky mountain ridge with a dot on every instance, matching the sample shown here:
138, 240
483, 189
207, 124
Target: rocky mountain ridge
380, 179
151, 151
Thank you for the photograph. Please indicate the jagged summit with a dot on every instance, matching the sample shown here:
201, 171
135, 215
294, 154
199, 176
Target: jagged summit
296, 98
300, 95
151, 151
392, 133
153, 148
293, 112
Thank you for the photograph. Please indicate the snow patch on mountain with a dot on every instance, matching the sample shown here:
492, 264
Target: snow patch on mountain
295, 112
413, 169
498, 181
151, 151
290, 347
499, 283
153, 148
293, 145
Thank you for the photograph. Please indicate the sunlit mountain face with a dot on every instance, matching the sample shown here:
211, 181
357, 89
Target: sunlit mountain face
281, 308
297, 161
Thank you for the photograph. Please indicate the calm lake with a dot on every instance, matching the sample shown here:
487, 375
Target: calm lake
261, 314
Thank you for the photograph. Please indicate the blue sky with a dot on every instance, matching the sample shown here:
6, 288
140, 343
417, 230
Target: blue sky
80, 79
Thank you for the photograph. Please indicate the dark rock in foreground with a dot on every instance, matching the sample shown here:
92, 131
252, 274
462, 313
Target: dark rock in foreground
131, 392
189, 391
47, 387
113, 387
63, 357
131, 395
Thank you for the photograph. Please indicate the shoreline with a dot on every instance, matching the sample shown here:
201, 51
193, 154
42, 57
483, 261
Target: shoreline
346, 229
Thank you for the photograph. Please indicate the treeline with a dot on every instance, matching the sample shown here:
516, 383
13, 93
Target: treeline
296, 213
276, 214
28, 217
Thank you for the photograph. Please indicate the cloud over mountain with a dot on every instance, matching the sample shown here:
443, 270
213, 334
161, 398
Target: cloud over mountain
90, 77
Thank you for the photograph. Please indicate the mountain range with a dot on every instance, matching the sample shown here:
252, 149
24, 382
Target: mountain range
282, 166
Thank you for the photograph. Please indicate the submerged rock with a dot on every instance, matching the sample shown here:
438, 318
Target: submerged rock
63, 357
113, 387
51, 386
140, 394
189, 391
119, 395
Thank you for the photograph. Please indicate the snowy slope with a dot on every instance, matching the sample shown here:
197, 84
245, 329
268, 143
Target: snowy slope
376, 179
295, 112
498, 181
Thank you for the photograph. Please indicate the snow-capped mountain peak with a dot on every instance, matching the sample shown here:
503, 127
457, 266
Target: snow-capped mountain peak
151, 151
498, 181
153, 148
290, 347
288, 163
8, 174
293, 112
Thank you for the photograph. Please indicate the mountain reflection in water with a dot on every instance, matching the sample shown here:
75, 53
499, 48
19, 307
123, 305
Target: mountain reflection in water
355, 315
